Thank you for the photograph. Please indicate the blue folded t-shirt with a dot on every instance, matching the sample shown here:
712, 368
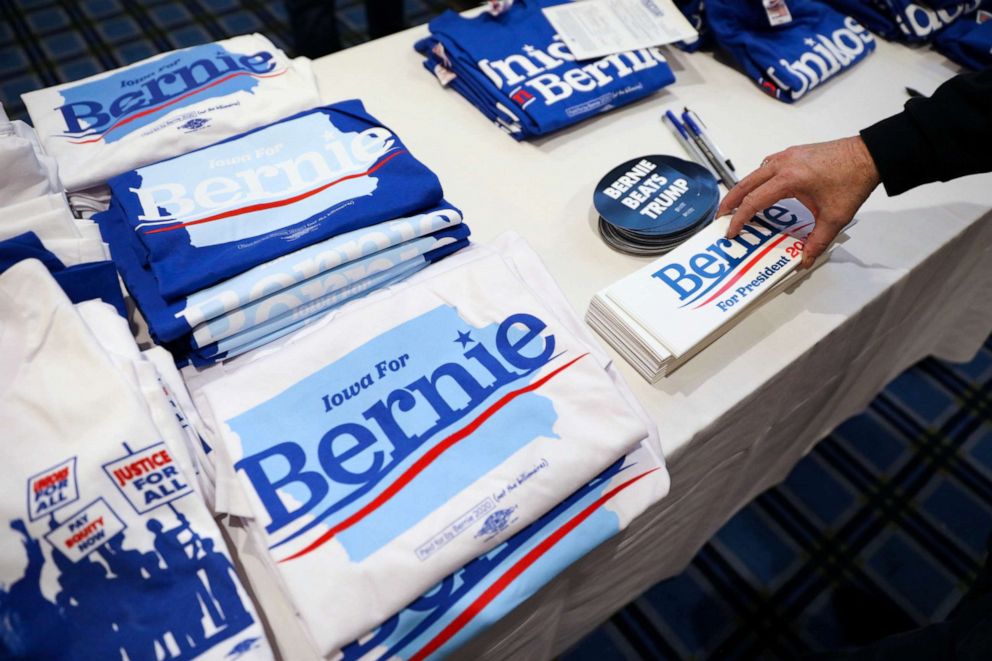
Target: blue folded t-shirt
82, 282
516, 59
27, 246
168, 322
968, 40
290, 321
208, 215
790, 59
876, 15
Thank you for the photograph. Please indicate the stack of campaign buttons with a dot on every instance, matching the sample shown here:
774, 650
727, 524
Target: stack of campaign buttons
649, 205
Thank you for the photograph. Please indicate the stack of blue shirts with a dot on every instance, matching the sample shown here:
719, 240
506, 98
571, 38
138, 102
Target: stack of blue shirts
519, 73
229, 247
789, 59
968, 40
962, 31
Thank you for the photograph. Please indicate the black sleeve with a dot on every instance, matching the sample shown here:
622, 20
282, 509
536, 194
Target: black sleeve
939, 138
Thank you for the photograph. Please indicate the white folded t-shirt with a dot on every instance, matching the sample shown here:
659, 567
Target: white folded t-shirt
105, 549
389, 447
167, 105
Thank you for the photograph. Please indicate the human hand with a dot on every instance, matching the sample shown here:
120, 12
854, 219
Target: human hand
832, 179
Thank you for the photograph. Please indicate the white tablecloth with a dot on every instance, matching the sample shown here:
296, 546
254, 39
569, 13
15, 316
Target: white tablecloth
912, 280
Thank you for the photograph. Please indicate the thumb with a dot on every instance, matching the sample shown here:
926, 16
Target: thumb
818, 241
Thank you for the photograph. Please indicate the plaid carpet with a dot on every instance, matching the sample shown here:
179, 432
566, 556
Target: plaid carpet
894, 508
896, 505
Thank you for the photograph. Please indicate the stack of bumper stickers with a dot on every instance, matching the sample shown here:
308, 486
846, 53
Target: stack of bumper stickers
460, 427
230, 247
107, 548
663, 314
649, 205
518, 72
166, 105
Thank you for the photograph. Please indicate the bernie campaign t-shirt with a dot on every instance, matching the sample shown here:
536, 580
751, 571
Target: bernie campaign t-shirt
516, 59
374, 273
206, 216
171, 321
923, 20
791, 58
968, 40
280, 310
169, 104
417, 431
106, 549
476, 596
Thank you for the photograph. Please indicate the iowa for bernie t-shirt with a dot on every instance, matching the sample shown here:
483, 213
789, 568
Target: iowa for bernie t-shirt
206, 216
169, 104
415, 432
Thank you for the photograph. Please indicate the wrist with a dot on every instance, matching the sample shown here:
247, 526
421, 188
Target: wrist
864, 162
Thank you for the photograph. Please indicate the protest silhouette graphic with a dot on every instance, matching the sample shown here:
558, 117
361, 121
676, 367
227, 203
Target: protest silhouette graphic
169, 604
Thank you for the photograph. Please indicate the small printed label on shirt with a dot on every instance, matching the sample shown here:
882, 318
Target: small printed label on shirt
778, 12
455, 528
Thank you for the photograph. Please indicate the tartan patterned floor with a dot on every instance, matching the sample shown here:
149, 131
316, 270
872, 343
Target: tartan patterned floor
897, 502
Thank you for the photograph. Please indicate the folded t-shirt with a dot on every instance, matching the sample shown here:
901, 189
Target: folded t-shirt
166, 105
792, 58
968, 40
209, 215
428, 425
107, 548
921, 21
172, 321
516, 59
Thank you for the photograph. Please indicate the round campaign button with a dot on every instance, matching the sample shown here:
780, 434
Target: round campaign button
651, 204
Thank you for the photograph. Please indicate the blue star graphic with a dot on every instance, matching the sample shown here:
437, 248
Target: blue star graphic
464, 338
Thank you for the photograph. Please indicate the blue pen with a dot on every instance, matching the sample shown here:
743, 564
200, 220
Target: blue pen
682, 136
709, 150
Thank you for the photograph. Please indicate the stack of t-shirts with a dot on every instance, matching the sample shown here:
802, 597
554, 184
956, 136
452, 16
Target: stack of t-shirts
231, 246
408, 433
959, 30
167, 105
518, 72
28, 172
663, 314
968, 40
107, 547
921, 21
476, 596
788, 53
